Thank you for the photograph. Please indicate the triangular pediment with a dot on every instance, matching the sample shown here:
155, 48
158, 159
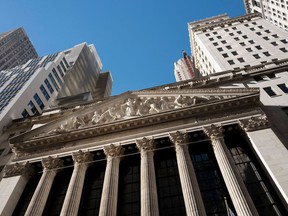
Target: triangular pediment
133, 108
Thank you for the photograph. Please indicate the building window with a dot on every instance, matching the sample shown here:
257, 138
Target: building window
53, 82
251, 41
283, 49
58, 191
256, 56
267, 53
284, 41
266, 38
220, 49
245, 36
63, 67
33, 108
241, 60
275, 36
57, 76
44, 92
225, 55
258, 47
211, 183
269, 91
92, 189
242, 44
249, 49
215, 44
231, 62
236, 39
283, 87
60, 70
25, 113
170, 197
38, 101
267, 31
258, 33
274, 43
229, 47
211, 39
129, 186
65, 62
234, 53
224, 42
258, 186
51, 90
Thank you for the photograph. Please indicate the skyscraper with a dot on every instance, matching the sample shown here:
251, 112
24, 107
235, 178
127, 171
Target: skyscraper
184, 68
222, 43
15, 49
60, 79
275, 11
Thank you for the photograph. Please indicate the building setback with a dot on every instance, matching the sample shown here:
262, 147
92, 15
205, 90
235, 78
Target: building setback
15, 49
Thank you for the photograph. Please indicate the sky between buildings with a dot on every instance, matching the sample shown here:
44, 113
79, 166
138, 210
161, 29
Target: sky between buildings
137, 40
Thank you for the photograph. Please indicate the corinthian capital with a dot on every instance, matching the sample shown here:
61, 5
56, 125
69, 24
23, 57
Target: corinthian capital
18, 169
145, 144
50, 163
254, 123
178, 138
82, 157
113, 150
214, 131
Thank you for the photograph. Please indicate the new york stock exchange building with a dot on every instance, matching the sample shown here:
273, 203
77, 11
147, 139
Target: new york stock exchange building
181, 149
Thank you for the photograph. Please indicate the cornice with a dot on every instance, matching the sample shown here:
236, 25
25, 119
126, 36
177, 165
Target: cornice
222, 23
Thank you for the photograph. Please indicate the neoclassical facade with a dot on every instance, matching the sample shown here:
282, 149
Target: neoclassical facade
159, 151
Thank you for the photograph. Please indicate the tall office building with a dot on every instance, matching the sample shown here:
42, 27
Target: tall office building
184, 68
61, 79
222, 43
15, 49
275, 11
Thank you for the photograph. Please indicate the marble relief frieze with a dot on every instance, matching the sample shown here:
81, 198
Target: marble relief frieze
130, 108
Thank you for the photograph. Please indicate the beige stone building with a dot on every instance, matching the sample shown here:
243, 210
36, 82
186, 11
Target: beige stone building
196, 147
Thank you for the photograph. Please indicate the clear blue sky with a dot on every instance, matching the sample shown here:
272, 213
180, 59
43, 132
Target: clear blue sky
137, 40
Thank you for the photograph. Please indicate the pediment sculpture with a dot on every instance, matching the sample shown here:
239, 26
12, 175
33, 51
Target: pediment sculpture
130, 108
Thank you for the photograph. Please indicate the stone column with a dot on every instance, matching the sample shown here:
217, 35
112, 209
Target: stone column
12, 185
149, 199
40, 196
74, 191
108, 205
190, 188
235, 185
